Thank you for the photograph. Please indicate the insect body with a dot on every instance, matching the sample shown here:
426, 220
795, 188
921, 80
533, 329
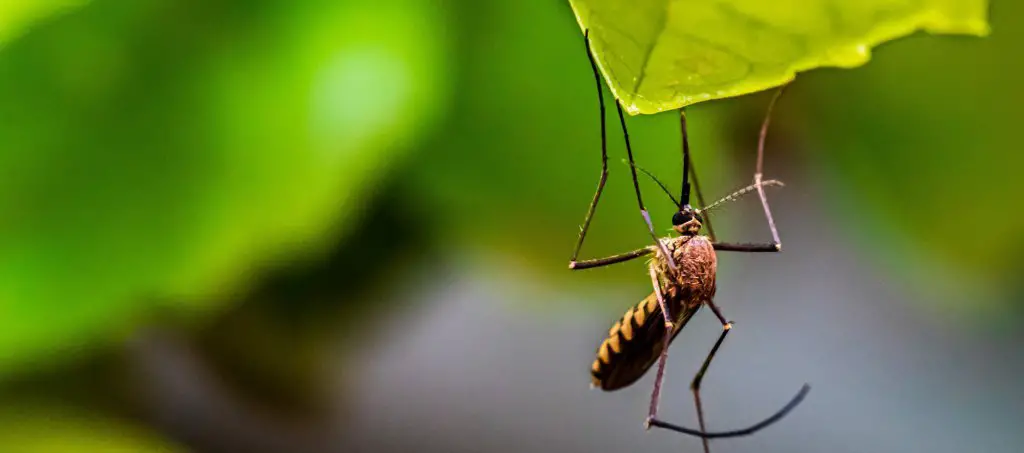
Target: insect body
635, 342
682, 271
642, 336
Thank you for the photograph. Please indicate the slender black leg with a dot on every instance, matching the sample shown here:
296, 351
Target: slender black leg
639, 198
695, 387
573, 264
604, 162
695, 384
747, 247
652, 413
598, 262
663, 358
692, 171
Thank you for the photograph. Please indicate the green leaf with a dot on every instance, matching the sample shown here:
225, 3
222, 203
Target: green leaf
914, 138
16, 15
54, 429
659, 55
159, 153
518, 176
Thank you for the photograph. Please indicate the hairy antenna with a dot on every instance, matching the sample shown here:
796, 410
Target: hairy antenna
739, 193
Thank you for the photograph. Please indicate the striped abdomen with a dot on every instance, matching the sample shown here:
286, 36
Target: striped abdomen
636, 340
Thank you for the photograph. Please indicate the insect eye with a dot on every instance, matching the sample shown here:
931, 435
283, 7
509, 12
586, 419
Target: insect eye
698, 217
680, 218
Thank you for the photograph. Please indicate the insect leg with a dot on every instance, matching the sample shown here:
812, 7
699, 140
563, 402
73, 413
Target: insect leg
695, 384
776, 244
689, 169
759, 170
695, 387
663, 358
573, 264
604, 159
639, 199
747, 247
598, 262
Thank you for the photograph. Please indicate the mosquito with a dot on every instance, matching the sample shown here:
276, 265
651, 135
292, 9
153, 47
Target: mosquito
682, 270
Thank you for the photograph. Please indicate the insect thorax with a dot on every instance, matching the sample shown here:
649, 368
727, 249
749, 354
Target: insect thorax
695, 258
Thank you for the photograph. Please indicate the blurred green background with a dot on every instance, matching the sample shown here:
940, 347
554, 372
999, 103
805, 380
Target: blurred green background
344, 226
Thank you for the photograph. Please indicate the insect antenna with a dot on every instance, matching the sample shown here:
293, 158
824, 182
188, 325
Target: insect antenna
758, 184
658, 181
689, 172
739, 193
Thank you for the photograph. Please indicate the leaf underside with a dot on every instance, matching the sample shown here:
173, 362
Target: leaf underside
659, 55
16, 15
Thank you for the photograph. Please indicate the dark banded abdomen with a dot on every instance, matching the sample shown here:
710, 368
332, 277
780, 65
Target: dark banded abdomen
636, 340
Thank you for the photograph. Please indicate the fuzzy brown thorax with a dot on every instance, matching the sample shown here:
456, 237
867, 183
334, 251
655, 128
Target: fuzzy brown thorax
695, 257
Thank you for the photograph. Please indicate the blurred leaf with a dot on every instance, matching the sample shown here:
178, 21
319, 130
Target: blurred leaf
924, 142
661, 55
56, 430
163, 151
518, 176
16, 15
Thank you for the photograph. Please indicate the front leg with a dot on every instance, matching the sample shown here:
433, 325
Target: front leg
604, 164
598, 262
752, 247
759, 183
